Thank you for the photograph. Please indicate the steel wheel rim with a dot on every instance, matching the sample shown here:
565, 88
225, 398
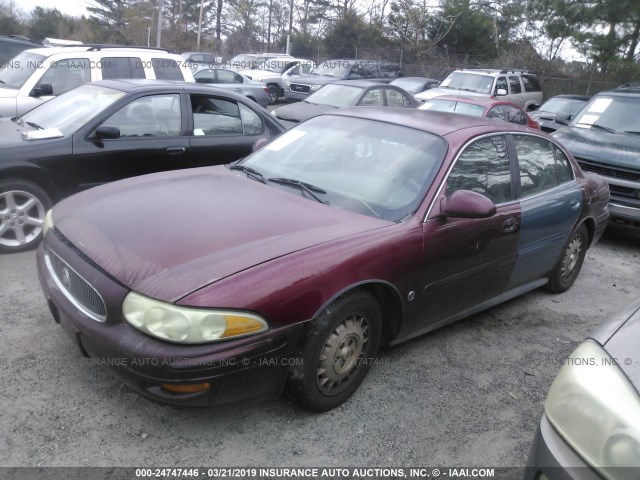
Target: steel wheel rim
571, 257
273, 94
342, 354
21, 218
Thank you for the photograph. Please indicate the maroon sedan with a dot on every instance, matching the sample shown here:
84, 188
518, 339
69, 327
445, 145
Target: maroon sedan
291, 267
481, 107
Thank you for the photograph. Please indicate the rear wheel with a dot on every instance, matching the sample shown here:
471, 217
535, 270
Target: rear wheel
337, 352
273, 94
23, 206
570, 263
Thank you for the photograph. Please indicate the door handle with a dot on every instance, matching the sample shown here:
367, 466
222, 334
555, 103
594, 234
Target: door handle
574, 204
510, 225
176, 150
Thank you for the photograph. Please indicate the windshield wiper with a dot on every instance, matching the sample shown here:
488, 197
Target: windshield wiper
35, 125
598, 127
251, 173
305, 187
632, 131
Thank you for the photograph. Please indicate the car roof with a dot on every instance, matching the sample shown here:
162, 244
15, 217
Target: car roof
415, 79
495, 71
632, 91
49, 51
571, 97
19, 40
483, 101
440, 123
130, 85
358, 83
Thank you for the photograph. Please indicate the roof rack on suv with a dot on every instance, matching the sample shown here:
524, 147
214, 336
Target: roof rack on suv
95, 47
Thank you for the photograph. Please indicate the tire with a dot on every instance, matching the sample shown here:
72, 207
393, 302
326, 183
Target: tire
570, 263
337, 352
274, 94
23, 206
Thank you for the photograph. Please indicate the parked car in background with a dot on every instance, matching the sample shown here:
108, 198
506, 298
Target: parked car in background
199, 60
333, 70
591, 419
415, 85
374, 225
247, 61
481, 107
113, 129
275, 73
345, 93
12, 46
605, 139
567, 106
232, 80
518, 86
39, 74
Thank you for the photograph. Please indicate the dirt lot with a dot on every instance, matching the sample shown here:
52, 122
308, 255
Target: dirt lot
468, 395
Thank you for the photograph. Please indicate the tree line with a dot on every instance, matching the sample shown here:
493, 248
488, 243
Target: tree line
606, 32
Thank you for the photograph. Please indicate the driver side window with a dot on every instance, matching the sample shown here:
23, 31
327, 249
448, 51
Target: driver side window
152, 116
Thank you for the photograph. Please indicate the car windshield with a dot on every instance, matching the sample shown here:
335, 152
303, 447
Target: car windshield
610, 113
364, 166
562, 105
471, 82
457, 106
15, 72
71, 110
336, 96
333, 68
411, 86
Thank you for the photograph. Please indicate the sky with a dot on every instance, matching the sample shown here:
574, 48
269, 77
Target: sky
75, 8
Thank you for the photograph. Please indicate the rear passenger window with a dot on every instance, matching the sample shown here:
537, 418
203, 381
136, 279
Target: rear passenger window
396, 99
542, 165
214, 116
166, 69
251, 122
121, 67
514, 83
531, 83
484, 168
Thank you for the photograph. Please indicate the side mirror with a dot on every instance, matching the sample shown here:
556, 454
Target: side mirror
105, 131
501, 92
467, 204
563, 118
260, 143
42, 90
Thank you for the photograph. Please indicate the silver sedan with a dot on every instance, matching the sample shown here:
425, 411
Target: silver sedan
228, 79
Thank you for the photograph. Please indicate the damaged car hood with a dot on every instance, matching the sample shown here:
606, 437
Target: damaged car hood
166, 235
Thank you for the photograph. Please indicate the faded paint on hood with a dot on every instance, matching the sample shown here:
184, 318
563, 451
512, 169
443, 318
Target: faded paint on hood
618, 149
169, 234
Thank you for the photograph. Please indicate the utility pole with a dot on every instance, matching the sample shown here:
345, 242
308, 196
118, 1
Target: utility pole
159, 34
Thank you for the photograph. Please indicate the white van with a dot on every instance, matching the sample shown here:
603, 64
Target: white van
38, 74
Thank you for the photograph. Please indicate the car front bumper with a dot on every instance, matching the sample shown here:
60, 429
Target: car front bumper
249, 368
295, 96
551, 458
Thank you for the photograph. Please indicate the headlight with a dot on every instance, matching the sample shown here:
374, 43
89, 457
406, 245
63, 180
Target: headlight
313, 88
188, 325
286, 82
48, 222
594, 407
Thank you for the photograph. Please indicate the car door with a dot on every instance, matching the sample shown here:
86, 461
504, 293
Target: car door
222, 129
550, 203
515, 91
150, 140
469, 261
373, 97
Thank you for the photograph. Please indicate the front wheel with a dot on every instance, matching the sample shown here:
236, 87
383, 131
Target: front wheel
273, 94
337, 352
23, 206
570, 263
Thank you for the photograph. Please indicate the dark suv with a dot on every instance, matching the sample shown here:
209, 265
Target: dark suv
605, 138
331, 71
12, 46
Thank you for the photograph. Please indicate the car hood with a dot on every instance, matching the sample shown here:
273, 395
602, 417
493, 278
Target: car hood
617, 149
314, 79
8, 93
12, 134
301, 111
259, 75
438, 92
166, 235
623, 346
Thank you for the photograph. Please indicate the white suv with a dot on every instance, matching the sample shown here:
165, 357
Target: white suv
38, 74
518, 86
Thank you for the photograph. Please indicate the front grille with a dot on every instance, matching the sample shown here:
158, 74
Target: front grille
300, 88
76, 289
608, 171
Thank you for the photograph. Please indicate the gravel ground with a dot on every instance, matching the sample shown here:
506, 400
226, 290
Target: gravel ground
470, 394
